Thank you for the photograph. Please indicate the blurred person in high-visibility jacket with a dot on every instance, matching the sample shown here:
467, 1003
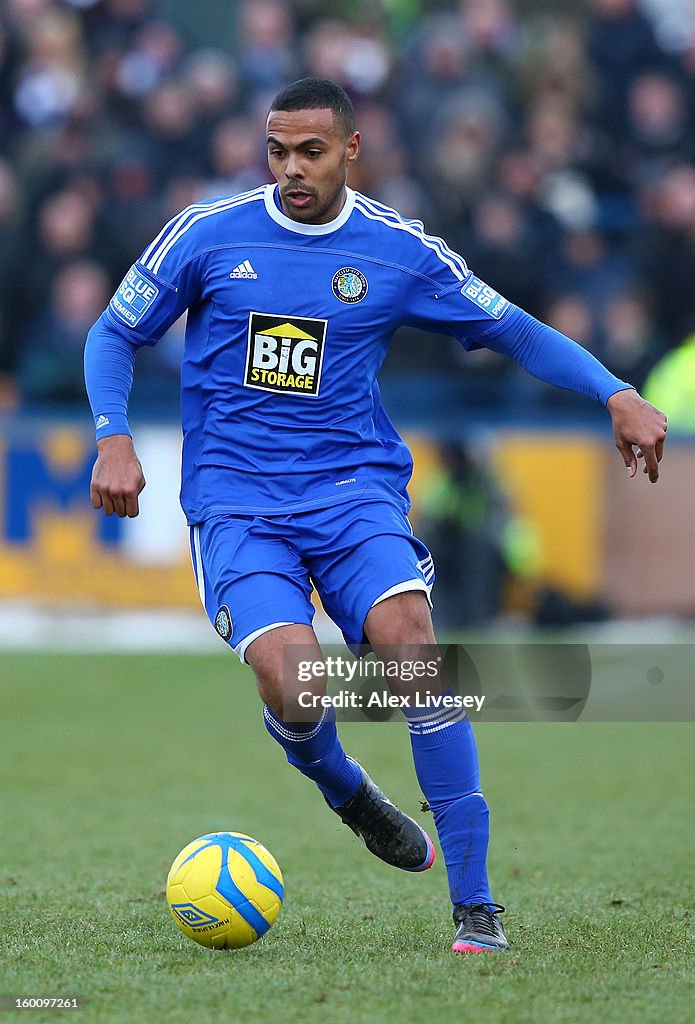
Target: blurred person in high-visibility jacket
671, 385
477, 540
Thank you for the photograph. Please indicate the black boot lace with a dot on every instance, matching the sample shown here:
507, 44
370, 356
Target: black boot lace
481, 916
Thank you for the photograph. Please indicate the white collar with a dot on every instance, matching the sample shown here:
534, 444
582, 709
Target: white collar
307, 229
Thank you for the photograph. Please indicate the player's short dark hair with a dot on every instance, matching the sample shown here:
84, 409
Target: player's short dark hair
318, 94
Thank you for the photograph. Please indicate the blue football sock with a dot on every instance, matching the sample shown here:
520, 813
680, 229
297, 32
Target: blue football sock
446, 764
317, 752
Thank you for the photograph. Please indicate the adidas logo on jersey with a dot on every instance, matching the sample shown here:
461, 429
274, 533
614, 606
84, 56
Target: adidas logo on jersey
245, 271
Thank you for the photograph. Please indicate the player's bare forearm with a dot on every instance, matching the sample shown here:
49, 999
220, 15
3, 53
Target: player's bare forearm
117, 477
638, 424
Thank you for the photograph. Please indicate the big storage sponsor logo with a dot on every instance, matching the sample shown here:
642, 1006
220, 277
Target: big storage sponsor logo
134, 297
285, 354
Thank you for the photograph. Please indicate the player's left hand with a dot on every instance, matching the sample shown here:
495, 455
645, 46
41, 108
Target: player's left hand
639, 430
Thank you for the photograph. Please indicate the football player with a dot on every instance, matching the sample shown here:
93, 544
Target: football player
293, 475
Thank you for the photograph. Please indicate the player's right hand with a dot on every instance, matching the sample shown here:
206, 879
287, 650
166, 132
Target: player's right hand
117, 477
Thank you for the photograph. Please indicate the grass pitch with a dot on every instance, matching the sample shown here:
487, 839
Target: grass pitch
110, 765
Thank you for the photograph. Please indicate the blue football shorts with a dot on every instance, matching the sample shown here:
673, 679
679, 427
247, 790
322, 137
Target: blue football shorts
255, 573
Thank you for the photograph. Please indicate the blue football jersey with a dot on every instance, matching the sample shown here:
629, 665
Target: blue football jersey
288, 326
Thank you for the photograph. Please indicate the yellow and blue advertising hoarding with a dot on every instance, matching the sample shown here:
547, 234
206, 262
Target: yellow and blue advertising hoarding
595, 529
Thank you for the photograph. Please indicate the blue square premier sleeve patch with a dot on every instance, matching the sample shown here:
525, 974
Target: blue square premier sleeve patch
490, 301
134, 297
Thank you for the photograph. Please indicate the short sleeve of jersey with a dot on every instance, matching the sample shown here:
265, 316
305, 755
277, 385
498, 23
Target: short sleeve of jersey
150, 299
446, 297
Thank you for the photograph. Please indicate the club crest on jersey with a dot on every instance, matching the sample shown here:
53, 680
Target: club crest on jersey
223, 622
349, 285
134, 297
285, 354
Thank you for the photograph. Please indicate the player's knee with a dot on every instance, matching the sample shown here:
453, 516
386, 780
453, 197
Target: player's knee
270, 690
292, 700
277, 657
403, 620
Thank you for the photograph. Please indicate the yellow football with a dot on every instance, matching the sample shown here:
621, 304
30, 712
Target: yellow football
225, 890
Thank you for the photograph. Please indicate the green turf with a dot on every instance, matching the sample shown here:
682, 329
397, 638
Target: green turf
111, 764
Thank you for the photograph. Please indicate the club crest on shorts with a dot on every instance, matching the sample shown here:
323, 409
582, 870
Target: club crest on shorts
349, 285
285, 354
223, 622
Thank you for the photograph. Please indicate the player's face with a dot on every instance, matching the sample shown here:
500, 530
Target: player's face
309, 158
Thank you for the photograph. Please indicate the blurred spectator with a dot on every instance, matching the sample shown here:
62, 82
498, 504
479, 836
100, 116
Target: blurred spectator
465, 138
503, 248
113, 24
211, 81
50, 363
620, 44
673, 21
555, 64
169, 120
132, 216
48, 83
519, 175
359, 60
234, 158
67, 229
434, 69
630, 341
586, 265
382, 169
666, 248
267, 48
658, 124
154, 57
491, 31
11, 246
571, 314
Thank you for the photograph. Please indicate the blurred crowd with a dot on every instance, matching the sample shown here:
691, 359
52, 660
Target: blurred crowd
555, 151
